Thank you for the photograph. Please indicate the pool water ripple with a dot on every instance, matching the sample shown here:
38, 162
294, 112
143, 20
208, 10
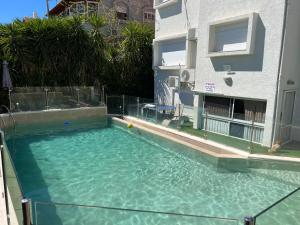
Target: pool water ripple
117, 168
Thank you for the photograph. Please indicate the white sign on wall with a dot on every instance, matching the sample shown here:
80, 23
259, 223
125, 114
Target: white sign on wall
209, 87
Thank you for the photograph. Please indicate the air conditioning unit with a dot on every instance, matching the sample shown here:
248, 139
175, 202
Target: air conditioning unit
187, 79
187, 76
173, 82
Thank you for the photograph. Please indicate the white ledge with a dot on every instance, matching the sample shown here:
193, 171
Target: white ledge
164, 4
250, 44
170, 67
170, 37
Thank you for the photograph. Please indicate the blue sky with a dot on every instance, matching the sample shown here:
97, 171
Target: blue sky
11, 9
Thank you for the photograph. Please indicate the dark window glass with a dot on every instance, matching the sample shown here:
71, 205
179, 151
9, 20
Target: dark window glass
239, 109
250, 110
237, 130
122, 16
148, 16
217, 106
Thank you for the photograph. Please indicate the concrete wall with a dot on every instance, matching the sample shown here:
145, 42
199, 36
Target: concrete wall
51, 116
290, 75
177, 18
255, 75
172, 20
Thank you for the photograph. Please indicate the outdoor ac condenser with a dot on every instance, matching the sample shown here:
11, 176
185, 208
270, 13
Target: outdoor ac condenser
173, 82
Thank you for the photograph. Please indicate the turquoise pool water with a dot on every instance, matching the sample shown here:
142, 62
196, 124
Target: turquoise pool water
117, 167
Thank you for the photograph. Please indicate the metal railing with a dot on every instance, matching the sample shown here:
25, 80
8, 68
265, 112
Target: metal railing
60, 213
244, 132
48, 98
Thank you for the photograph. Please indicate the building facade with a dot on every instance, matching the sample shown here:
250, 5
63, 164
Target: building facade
139, 10
233, 61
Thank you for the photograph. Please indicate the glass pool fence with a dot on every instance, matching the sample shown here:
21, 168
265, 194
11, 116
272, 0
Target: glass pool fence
16, 206
285, 209
244, 131
60, 214
47, 98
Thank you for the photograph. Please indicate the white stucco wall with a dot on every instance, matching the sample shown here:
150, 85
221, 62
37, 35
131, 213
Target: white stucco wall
177, 18
255, 75
170, 21
290, 75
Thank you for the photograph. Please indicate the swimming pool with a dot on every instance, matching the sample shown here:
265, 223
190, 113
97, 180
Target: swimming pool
117, 168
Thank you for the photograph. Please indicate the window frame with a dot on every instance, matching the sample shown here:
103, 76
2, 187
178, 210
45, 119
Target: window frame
251, 33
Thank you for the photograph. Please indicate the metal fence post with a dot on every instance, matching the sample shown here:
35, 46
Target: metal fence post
77, 90
26, 212
251, 136
156, 113
46, 98
205, 126
138, 107
249, 220
123, 99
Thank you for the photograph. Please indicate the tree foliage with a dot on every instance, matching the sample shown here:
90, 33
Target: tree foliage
70, 51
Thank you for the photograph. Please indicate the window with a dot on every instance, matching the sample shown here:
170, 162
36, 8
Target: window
158, 4
249, 110
149, 16
121, 11
92, 8
242, 109
173, 52
122, 16
217, 106
232, 36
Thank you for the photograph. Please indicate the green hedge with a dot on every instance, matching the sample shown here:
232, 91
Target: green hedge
70, 51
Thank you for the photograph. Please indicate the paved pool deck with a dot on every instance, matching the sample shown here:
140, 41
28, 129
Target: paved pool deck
206, 146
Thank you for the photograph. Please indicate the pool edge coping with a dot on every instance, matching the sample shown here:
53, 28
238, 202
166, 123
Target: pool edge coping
241, 153
183, 142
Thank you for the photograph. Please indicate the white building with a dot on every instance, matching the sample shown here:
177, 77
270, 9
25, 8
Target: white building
238, 59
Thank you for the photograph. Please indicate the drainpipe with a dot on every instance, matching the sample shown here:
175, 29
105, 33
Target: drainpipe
275, 114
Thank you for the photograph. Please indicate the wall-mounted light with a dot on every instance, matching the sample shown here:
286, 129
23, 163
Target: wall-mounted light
228, 69
290, 82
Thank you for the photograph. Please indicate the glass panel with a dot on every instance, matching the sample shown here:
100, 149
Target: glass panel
58, 214
131, 106
27, 99
285, 212
92, 8
115, 105
217, 106
12, 183
88, 97
39, 98
249, 110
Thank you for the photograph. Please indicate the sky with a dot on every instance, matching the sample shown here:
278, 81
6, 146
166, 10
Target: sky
12, 9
